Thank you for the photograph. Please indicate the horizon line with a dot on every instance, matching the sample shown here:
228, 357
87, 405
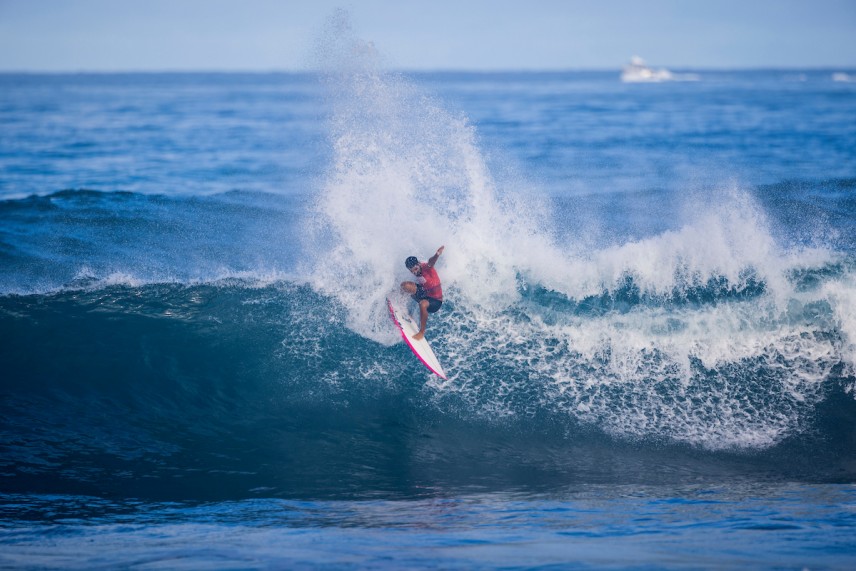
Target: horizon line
271, 71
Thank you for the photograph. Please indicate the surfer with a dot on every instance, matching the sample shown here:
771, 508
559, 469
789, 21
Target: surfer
427, 291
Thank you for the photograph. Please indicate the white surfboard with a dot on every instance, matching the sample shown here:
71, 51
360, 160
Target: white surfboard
409, 328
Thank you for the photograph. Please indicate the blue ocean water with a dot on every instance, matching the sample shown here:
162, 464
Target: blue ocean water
649, 330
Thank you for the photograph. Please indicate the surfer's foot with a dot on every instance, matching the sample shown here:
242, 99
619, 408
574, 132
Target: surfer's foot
419, 336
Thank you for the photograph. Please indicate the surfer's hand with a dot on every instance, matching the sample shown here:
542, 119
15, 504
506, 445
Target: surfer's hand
433, 259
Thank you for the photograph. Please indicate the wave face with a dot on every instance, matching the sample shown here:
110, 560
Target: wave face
172, 345
235, 389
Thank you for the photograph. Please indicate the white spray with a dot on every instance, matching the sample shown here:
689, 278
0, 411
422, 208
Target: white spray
407, 176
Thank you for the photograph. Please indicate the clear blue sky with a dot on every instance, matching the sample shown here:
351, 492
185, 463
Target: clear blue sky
128, 35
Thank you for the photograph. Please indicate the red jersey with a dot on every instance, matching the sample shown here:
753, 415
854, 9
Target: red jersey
431, 282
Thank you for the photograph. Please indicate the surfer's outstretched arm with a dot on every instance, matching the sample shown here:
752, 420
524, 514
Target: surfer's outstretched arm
433, 259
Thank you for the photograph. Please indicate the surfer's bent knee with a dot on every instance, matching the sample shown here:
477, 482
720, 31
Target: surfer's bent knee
433, 304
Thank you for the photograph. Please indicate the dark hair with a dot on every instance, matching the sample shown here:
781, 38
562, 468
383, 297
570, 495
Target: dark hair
411, 261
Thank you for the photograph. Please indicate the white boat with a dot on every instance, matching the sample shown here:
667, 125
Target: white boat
843, 77
638, 72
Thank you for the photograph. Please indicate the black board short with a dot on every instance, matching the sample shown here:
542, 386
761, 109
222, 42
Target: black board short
433, 303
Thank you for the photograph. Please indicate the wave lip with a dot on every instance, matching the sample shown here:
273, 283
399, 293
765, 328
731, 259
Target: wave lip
83, 238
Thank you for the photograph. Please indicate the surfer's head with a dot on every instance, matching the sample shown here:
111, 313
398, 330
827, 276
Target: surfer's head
411, 262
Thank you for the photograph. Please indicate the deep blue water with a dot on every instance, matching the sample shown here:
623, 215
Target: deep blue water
649, 330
